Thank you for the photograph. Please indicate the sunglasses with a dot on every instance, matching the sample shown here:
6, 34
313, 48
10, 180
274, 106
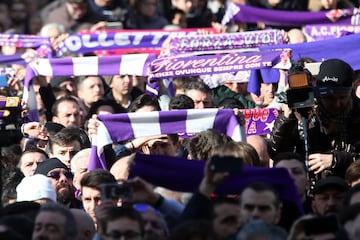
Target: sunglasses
56, 174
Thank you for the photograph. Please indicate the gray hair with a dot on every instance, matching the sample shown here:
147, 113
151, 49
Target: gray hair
47, 27
259, 228
83, 153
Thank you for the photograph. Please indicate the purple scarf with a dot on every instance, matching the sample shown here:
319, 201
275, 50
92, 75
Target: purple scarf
120, 127
248, 14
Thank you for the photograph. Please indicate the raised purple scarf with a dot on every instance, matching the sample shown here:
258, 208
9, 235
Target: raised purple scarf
115, 128
184, 175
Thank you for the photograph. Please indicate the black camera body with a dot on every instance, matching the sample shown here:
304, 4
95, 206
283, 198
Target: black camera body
300, 94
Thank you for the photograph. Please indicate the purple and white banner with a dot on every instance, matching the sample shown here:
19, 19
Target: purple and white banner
225, 41
123, 41
23, 40
248, 14
130, 64
259, 121
120, 127
167, 67
318, 32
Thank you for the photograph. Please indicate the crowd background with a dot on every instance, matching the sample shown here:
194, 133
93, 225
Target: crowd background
48, 192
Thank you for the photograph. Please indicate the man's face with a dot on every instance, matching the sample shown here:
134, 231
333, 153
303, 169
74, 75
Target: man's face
297, 173
49, 225
259, 205
337, 104
61, 180
80, 169
68, 114
155, 228
227, 220
91, 90
122, 228
29, 162
238, 87
90, 198
77, 10
160, 146
201, 99
65, 152
121, 84
329, 201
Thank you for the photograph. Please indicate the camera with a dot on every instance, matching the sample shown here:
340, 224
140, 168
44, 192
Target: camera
115, 190
300, 94
230, 164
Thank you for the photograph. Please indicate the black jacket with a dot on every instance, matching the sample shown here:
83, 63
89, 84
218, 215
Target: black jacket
286, 137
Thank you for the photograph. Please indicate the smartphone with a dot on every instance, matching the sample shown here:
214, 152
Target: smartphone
230, 164
320, 225
115, 190
3, 81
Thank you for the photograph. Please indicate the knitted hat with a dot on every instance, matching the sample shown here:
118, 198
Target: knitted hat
46, 166
34, 188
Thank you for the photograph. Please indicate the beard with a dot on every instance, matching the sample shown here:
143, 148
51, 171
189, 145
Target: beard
64, 196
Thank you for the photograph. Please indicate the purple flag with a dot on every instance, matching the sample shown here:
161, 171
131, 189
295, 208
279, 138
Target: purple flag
185, 175
120, 127
248, 14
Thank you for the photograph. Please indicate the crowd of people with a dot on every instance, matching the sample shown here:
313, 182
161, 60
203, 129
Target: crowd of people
300, 181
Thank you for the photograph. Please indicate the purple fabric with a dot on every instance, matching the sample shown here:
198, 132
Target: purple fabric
265, 75
113, 122
90, 42
12, 59
23, 40
212, 64
121, 127
317, 32
226, 41
248, 14
346, 48
184, 175
259, 121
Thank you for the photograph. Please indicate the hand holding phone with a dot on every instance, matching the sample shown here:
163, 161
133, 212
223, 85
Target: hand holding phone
115, 190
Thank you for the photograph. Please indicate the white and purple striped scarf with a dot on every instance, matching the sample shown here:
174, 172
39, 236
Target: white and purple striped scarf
131, 64
120, 127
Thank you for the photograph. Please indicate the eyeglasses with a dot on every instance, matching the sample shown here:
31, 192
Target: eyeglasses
128, 235
56, 174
